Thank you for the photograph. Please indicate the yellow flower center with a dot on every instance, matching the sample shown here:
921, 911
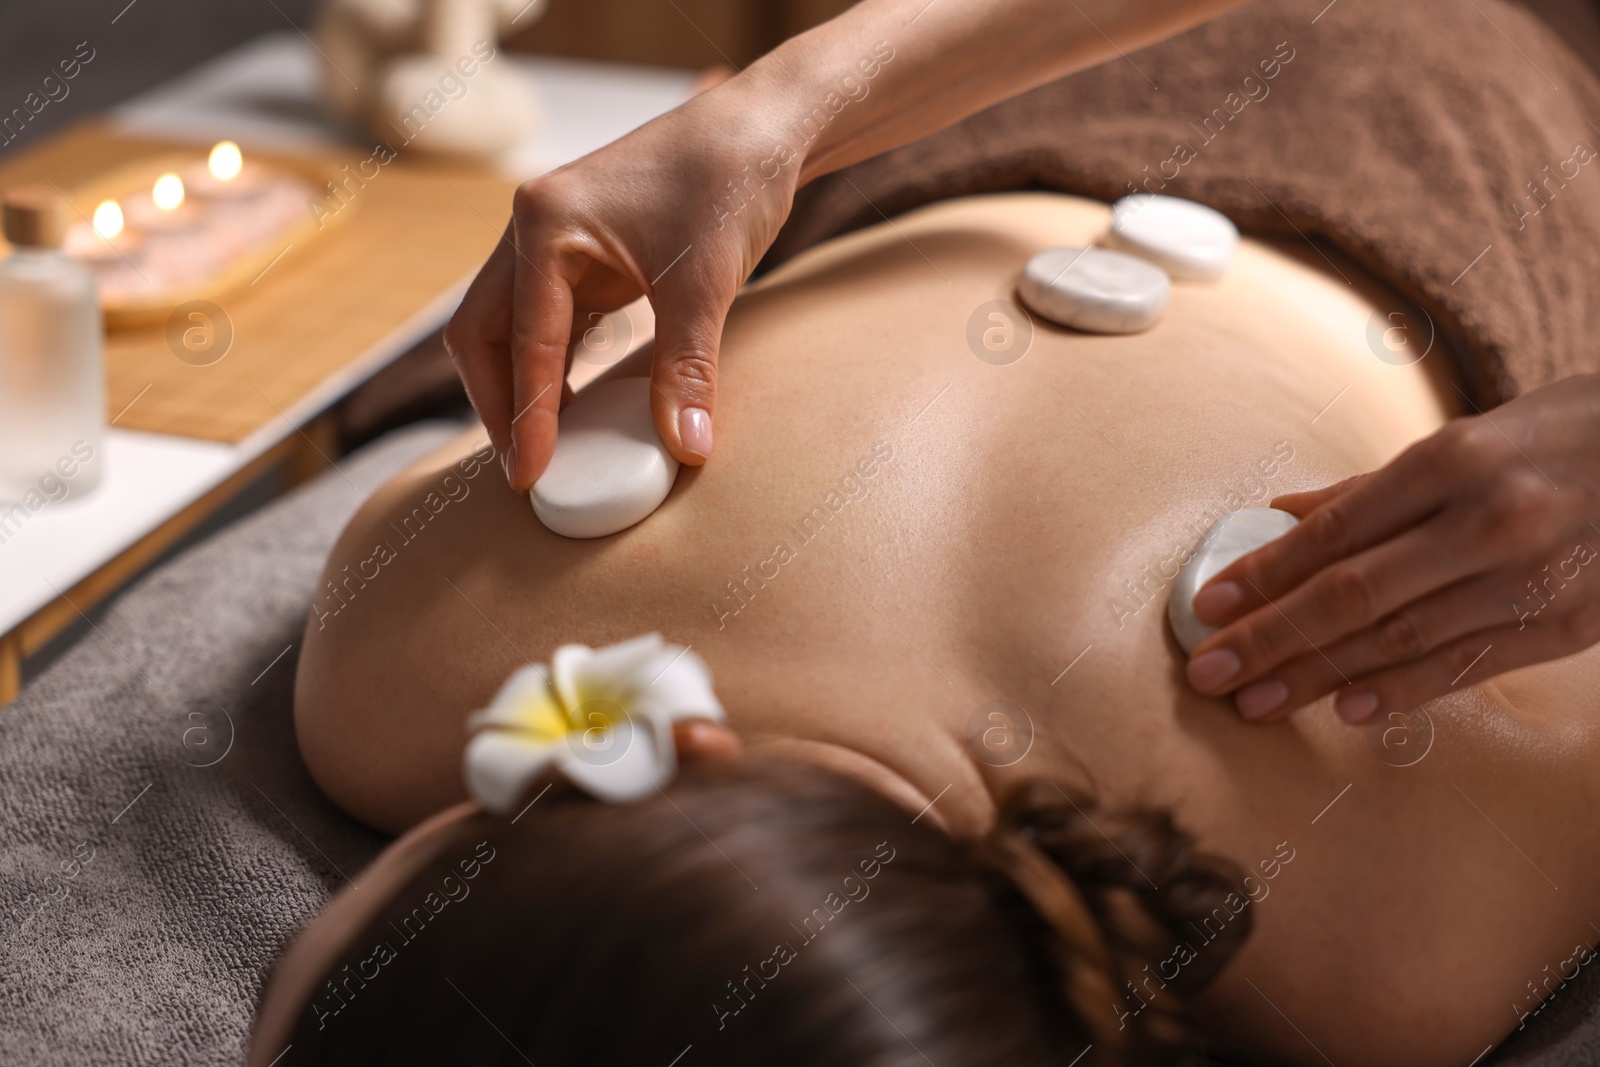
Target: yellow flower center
544, 718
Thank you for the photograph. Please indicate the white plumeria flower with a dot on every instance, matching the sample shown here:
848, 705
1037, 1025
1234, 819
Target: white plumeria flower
602, 716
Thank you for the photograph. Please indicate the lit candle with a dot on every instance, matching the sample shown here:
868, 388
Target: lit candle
104, 239
225, 162
223, 175
162, 210
168, 192
108, 219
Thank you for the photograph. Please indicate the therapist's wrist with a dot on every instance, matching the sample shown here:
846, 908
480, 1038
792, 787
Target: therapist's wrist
811, 98
738, 132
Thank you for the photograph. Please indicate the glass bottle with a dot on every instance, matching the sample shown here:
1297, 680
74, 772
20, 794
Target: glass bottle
52, 368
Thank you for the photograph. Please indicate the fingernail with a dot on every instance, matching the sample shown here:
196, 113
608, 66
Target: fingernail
1356, 707
1214, 601
508, 463
1257, 700
1213, 668
694, 430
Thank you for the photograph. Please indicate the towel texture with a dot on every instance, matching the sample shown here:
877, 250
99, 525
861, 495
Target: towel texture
162, 839
1445, 146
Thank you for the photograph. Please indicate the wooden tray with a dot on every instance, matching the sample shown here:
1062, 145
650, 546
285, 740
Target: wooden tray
415, 234
135, 179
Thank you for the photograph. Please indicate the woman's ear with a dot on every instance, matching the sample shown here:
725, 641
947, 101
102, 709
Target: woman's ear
698, 739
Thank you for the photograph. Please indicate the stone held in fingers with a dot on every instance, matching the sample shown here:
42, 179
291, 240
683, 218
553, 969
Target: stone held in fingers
1230, 537
1189, 241
609, 469
1094, 289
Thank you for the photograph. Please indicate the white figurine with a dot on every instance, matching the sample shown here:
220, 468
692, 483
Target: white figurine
429, 75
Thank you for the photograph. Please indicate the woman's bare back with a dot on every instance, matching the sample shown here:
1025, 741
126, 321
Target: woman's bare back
955, 566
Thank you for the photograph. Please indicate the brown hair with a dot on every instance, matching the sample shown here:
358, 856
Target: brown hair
762, 912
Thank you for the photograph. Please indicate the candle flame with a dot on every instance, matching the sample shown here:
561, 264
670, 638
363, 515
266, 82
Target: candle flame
226, 161
168, 192
108, 219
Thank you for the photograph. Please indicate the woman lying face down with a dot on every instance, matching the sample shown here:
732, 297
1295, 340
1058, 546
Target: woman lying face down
930, 589
759, 910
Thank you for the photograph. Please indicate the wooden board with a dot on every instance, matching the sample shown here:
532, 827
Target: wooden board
414, 231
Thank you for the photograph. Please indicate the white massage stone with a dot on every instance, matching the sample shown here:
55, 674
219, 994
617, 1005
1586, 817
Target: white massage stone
1094, 289
1230, 537
1189, 241
609, 469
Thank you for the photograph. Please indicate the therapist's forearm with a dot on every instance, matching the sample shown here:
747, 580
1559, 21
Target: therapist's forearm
889, 71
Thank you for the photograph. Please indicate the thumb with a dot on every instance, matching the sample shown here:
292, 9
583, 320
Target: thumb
684, 374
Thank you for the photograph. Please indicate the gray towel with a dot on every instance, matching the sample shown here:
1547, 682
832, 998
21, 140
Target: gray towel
145, 893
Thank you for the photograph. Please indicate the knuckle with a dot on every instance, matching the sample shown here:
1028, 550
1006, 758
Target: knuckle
1427, 456
1251, 572
530, 200
1520, 508
693, 373
1400, 638
1329, 531
1346, 595
546, 353
1263, 644
1471, 445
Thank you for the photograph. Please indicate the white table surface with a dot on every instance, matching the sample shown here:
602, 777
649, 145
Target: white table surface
264, 96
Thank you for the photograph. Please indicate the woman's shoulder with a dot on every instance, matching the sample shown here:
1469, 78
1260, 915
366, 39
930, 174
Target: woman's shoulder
368, 687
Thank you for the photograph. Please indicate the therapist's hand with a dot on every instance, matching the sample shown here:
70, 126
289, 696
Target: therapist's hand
653, 214
682, 209
1473, 553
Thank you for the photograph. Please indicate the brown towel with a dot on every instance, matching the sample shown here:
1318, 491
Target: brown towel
1444, 144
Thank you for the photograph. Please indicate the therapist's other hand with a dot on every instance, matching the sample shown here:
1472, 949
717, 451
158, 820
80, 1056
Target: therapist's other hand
676, 212
1471, 554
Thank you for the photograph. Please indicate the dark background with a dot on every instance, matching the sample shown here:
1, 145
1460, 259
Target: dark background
151, 42
154, 40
